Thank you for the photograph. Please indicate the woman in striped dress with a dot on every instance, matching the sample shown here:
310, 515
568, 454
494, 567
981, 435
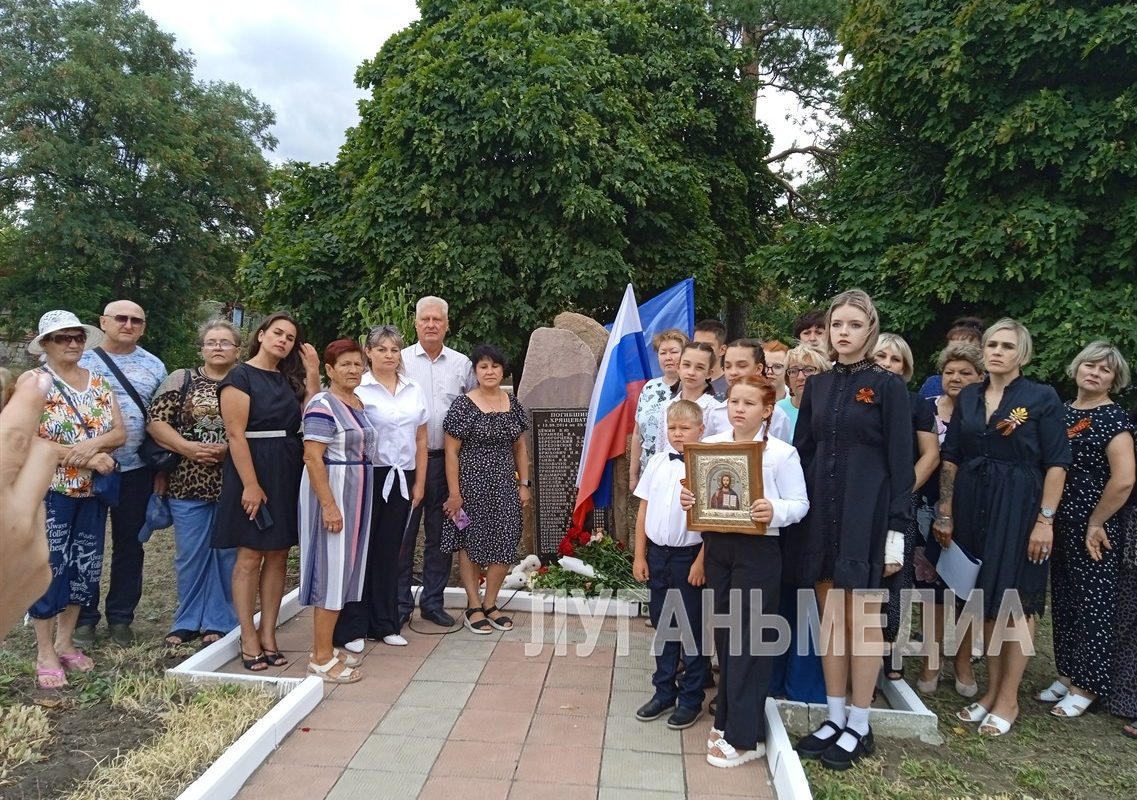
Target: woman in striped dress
335, 506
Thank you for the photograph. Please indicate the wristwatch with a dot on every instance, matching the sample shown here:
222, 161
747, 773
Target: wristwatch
1047, 513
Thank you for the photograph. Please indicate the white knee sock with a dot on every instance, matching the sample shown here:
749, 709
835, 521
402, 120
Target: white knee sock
836, 710
859, 722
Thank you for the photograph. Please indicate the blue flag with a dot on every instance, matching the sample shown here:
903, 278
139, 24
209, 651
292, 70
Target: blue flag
672, 308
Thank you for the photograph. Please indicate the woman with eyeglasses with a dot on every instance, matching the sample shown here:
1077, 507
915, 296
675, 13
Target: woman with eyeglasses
81, 418
396, 408
185, 418
802, 363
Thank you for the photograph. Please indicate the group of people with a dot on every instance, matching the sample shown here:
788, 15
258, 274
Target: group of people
865, 485
257, 454
869, 486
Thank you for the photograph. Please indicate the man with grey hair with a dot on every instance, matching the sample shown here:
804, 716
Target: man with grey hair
135, 375
443, 374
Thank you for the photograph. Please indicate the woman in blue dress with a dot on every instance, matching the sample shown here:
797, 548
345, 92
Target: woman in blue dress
1004, 459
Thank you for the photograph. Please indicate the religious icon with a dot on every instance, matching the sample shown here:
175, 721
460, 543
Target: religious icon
726, 479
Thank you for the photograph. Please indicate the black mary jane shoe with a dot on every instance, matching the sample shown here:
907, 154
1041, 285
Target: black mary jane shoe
813, 745
652, 709
839, 758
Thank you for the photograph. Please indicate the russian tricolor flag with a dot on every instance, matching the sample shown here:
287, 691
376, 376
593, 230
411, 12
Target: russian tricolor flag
624, 370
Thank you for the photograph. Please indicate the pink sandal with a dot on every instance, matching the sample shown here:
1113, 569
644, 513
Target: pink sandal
76, 662
44, 672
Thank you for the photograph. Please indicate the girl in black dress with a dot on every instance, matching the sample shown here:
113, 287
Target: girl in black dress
1084, 581
1004, 458
854, 435
260, 483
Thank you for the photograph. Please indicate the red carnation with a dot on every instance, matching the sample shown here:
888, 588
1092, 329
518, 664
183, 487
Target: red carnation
621, 546
583, 537
542, 570
565, 548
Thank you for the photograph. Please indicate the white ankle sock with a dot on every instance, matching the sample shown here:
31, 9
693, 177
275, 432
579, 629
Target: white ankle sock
836, 710
859, 722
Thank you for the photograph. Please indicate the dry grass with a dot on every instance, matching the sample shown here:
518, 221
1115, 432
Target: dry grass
196, 734
23, 732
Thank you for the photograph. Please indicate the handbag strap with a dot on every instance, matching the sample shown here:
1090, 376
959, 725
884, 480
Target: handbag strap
75, 409
182, 393
127, 386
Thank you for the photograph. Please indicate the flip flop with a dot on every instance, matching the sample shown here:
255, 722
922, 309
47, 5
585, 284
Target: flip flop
1130, 730
182, 635
77, 661
57, 674
209, 637
1072, 705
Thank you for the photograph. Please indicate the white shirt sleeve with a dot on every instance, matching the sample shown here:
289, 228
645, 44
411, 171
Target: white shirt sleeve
792, 502
780, 427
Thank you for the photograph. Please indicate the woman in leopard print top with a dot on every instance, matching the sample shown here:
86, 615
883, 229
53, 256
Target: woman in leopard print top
185, 417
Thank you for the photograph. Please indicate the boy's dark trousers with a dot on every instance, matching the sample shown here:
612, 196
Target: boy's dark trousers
668, 569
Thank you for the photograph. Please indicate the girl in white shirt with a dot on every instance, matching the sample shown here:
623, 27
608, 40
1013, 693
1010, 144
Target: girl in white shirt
737, 561
746, 357
694, 367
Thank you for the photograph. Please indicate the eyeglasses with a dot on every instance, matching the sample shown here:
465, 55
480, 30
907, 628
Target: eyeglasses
68, 338
122, 319
221, 344
775, 369
808, 372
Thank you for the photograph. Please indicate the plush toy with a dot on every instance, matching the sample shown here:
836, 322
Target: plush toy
518, 577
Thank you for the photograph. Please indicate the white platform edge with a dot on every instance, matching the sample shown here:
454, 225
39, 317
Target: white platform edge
786, 771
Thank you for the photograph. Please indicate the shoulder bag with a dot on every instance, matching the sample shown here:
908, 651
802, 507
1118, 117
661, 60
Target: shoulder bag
151, 453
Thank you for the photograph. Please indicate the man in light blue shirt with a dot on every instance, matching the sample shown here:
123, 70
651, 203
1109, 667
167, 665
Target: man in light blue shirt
123, 323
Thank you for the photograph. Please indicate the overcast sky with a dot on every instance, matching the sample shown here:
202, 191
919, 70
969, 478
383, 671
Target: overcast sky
299, 57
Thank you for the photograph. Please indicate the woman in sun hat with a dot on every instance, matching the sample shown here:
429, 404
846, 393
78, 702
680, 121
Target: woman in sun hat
81, 417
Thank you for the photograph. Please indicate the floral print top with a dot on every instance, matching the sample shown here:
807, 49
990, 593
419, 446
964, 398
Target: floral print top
59, 424
652, 397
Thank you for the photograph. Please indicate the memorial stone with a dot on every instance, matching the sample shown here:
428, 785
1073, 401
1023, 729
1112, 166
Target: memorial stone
560, 371
591, 332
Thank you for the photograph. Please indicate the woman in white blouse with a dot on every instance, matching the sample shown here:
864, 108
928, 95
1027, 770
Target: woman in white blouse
396, 407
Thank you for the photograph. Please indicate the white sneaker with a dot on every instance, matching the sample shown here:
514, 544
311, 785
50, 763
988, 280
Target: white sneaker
355, 646
395, 640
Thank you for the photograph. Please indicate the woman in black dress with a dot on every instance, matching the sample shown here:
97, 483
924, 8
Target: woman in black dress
854, 436
1005, 459
1083, 585
1123, 686
487, 471
260, 483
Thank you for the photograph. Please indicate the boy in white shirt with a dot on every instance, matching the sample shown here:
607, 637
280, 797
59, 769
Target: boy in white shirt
669, 558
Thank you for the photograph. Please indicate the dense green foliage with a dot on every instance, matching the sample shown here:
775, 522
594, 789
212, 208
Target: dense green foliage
521, 158
120, 175
989, 168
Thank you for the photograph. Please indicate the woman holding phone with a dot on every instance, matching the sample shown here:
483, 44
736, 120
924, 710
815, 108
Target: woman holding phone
256, 512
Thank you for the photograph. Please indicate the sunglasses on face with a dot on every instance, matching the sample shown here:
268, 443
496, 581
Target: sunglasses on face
122, 319
68, 338
808, 372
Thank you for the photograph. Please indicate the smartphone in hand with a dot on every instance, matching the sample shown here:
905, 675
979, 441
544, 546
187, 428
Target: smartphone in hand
263, 519
461, 520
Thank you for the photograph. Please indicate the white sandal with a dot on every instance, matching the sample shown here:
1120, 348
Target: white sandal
1000, 725
713, 737
324, 671
1072, 705
973, 713
727, 757
347, 659
1053, 693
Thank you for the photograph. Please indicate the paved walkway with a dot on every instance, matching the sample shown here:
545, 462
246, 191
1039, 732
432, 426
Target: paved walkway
464, 715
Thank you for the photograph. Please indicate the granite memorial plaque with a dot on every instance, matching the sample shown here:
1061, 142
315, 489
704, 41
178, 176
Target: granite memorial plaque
558, 439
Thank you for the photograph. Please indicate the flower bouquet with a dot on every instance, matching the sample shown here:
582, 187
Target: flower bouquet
591, 564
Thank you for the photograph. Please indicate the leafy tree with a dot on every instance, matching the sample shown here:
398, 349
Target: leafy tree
122, 176
989, 169
521, 158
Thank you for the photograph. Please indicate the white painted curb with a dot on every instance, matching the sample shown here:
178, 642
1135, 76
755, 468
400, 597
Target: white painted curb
785, 766
298, 696
541, 603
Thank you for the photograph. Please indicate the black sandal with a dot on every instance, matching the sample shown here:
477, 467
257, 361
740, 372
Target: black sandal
250, 662
275, 658
217, 636
891, 673
183, 636
482, 626
502, 623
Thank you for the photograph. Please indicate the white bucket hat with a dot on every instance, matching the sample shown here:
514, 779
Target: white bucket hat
60, 320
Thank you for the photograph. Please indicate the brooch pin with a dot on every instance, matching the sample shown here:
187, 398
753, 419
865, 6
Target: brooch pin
866, 395
1081, 425
1017, 417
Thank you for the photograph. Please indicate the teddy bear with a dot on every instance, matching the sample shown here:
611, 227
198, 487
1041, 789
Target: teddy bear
518, 577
